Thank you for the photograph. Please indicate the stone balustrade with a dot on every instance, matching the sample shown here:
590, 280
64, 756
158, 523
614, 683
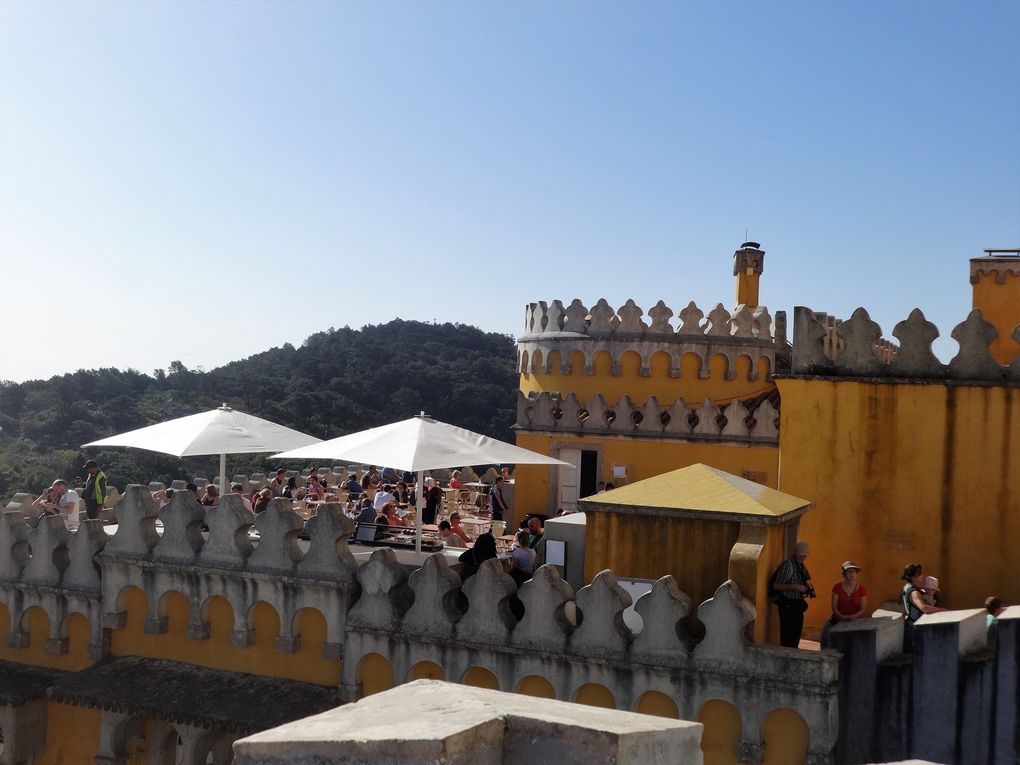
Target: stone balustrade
707, 421
862, 352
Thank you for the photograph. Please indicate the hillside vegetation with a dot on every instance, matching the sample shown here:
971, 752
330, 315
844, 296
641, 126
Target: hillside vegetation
337, 382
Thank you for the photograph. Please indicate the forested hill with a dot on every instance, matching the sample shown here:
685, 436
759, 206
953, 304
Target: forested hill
337, 382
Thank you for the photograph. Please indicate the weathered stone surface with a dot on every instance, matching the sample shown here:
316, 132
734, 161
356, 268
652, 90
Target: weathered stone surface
14, 551
974, 361
545, 626
385, 596
136, 524
457, 725
860, 335
328, 555
228, 545
488, 618
808, 353
436, 592
726, 616
82, 572
48, 541
663, 639
915, 357
278, 526
602, 632
182, 528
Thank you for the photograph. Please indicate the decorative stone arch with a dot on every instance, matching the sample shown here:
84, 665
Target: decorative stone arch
695, 362
524, 362
763, 367
576, 361
77, 636
658, 704
592, 362
207, 626
537, 686
165, 744
720, 740
167, 603
127, 603
663, 364
426, 670
785, 737
480, 677
257, 620
554, 361
305, 620
34, 628
214, 748
752, 373
729, 363
374, 674
536, 361
627, 357
595, 695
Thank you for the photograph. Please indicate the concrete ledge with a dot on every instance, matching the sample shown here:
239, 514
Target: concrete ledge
429, 722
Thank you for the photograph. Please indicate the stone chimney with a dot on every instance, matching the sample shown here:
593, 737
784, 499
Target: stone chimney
996, 280
748, 263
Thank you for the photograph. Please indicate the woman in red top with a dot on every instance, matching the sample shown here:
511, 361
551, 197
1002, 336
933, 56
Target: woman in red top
849, 599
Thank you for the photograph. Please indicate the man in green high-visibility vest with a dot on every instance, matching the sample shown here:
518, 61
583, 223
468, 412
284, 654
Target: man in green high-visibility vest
94, 492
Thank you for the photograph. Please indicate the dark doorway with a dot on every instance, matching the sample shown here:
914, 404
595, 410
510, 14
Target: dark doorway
589, 473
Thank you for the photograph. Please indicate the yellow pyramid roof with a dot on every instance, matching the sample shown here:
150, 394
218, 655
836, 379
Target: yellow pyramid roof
700, 491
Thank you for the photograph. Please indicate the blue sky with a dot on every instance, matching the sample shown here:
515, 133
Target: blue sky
203, 180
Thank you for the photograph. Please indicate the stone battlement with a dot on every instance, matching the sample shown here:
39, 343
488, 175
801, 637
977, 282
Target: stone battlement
707, 421
552, 327
860, 350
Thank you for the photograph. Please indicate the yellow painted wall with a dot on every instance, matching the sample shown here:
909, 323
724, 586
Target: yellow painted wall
903, 473
535, 685
629, 382
649, 547
376, 674
1000, 305
644, 458
72, 735
218, 652
479, 677
786, 737
595, 695
721, 735
37, 623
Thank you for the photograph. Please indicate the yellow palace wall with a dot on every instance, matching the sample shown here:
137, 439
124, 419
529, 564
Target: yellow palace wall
644, 458
903, 473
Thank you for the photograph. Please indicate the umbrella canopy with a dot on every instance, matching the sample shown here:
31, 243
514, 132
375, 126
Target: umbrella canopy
218, 431
420, 443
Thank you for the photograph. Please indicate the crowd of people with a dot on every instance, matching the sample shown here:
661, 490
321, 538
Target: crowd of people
790, 588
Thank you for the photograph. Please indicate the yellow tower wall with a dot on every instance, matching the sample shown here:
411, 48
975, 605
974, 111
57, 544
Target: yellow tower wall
902, 473
996, 284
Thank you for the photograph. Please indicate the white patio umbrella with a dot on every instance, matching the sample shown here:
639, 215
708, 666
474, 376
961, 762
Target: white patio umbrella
416, 445
219, 431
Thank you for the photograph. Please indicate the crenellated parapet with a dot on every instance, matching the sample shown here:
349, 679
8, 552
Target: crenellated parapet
573, 639
856, 348
226, 561
753, 421
50, 568
551, 327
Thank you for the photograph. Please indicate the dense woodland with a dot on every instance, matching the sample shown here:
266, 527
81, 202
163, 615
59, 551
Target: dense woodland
337, 382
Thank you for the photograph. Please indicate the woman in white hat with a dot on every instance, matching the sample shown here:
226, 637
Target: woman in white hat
849, 599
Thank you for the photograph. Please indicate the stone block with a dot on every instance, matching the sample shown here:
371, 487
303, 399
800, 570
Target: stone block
488, 618
726, 616
602, 632
436, 604
545, 626
663, 639
939, 641
228, 545
182, 528
460, 725
136, 525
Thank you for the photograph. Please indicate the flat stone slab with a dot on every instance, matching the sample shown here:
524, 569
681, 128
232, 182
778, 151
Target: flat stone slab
429, 722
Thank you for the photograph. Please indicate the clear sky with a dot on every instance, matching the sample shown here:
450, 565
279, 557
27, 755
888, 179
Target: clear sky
204, 180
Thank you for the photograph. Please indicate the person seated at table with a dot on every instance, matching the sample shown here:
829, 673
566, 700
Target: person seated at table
447, 536
505, 472
389, 511
314, 489
522, 558
211, 496
264, 497
161, 497
389, 475
382, 527
383, 496
238, 489
366, 513
292, 491
484, 549
433, 501
535, 532
279, 482
402, 494
457, 529
455, 480
353, 486
371, 477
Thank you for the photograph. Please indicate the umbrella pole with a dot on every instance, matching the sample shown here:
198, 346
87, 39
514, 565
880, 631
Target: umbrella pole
420, 507
223, 475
